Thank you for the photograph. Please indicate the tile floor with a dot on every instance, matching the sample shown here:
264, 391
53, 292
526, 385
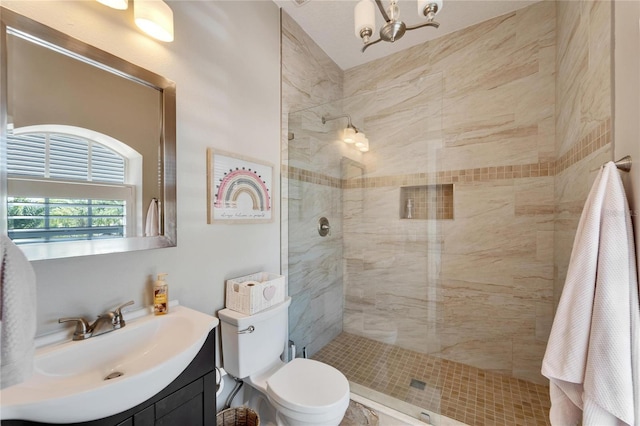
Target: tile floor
458, 391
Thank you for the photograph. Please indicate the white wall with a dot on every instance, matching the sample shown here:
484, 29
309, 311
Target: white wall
626, 123
225, 61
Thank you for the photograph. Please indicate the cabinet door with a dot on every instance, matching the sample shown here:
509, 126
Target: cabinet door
178, 398
189, 413
146, 417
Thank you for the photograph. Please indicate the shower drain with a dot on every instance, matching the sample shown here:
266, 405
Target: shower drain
114, 375
418, 384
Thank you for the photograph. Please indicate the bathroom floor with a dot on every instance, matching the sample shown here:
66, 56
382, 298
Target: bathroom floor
467, 394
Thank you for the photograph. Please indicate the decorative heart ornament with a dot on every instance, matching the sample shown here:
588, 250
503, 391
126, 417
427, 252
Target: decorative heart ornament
269, 292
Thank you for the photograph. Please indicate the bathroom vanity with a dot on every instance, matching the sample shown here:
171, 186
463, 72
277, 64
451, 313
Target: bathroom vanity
189, 400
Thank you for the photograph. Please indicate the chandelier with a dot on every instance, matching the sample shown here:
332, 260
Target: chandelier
394, 28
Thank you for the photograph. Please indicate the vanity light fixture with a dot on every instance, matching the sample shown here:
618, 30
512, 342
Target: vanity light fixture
155, 18
350, 134
115, 4
394, 28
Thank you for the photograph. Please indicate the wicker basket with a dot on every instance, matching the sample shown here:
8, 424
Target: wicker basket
239, 416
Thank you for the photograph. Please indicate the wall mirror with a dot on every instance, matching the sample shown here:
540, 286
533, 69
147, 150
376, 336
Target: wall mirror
88, 147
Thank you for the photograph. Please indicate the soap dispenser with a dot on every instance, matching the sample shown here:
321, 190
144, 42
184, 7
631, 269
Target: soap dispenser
160, 295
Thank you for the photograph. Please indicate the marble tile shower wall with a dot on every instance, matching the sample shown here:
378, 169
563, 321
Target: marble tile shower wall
481, 108
313, 265
583, 95
466, 108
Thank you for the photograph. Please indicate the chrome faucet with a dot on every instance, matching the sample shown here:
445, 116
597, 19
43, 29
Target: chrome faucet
109, 321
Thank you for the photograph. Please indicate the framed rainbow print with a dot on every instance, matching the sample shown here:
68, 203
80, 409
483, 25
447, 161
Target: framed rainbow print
239, 189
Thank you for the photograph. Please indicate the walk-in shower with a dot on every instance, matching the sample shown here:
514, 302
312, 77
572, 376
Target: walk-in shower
386, 296
434, 290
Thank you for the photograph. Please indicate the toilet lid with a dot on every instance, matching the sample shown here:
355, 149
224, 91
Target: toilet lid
308, 386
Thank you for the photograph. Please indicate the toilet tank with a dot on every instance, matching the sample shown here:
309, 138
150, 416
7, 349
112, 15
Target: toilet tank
246, 353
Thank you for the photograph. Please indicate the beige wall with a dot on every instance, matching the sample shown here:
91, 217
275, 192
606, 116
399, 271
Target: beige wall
228, 97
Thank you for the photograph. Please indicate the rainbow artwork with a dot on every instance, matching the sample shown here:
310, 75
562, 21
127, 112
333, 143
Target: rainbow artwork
241, 189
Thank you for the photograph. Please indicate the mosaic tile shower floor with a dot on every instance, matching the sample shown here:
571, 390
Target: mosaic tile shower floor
467, 394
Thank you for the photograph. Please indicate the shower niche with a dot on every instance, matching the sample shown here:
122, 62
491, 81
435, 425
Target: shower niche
427, 202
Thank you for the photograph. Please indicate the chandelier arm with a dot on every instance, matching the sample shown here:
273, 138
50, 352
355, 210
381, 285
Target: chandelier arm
426, 24
369, 44
382, 11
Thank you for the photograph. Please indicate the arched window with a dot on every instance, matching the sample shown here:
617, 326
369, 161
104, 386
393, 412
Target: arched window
67, 183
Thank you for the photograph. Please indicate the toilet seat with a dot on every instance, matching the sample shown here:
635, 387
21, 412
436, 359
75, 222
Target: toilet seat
308, 386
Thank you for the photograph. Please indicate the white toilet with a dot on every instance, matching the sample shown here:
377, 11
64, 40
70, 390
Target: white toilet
302, 392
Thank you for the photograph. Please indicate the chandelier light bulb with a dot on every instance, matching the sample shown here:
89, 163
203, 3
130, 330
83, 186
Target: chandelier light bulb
364, 18
424, 4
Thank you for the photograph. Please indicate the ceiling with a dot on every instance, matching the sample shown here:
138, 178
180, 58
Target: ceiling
330, 24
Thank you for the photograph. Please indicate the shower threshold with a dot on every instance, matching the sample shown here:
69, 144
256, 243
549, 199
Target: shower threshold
394, 412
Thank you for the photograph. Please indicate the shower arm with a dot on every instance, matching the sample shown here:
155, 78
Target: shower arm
326, 118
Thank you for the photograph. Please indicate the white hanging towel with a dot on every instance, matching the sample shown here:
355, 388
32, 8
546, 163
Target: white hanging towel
17, 314
152, 225
592, 357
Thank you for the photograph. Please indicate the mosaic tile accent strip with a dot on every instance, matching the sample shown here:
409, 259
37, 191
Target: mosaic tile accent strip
455, 390
483, 174
599, 137
303, 175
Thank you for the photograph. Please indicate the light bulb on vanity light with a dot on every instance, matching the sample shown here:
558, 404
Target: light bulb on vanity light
115, 4
155, 18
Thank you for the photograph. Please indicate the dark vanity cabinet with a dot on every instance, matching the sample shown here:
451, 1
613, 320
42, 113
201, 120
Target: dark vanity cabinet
190, 400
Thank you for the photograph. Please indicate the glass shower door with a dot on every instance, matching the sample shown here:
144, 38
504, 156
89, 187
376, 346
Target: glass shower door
366, 296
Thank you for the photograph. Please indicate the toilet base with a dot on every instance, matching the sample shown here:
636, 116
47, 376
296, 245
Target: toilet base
269, 416
259, 403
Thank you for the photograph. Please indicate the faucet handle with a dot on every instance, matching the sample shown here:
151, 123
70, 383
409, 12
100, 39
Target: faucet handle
118, 320
82, 327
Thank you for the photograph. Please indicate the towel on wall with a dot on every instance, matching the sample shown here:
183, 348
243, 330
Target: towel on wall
17, 314
152, 225
592, 357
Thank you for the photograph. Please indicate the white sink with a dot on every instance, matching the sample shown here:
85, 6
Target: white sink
68, 384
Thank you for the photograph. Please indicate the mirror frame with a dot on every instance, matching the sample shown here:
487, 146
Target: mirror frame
125, 69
